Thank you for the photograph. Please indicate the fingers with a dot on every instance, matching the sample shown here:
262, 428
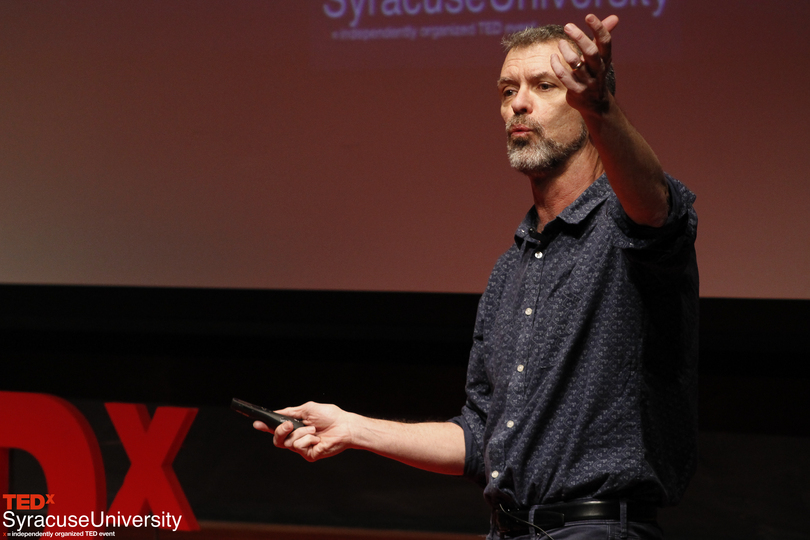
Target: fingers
610, 22
590, 51
323, 434
601, 35
308, 413
576, 77
597, 52
570, 56
286, 435
585, 74
301, 440
261, 426
295, 412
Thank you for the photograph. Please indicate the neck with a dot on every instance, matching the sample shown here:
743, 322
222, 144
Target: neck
555, 190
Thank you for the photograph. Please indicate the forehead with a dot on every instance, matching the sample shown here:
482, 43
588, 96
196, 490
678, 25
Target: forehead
532, 59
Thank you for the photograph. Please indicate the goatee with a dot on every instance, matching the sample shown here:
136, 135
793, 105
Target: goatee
539, 155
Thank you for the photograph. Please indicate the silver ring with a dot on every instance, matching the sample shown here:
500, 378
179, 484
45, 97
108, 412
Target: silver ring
579, 65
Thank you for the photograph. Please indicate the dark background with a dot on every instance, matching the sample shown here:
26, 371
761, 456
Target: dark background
392, 355
193, 193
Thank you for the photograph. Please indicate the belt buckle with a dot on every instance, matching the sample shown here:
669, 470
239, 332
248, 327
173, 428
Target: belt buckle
502, 516
538, 520
508, 523
546, 519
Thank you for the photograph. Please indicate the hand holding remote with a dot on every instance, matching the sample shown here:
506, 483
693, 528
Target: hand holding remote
325, 433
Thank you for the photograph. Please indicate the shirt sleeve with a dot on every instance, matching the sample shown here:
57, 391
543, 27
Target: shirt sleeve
473, 418
665, 247
474, 457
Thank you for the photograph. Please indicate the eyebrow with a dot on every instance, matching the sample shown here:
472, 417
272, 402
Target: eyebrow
532, 78
503, 81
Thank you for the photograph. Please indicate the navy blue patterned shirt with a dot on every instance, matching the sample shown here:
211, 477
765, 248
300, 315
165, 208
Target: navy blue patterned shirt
582, 381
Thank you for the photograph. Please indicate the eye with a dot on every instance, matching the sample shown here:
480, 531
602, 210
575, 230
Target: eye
508, 92
545, 86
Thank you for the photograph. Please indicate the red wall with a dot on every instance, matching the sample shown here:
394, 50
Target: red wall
235, 144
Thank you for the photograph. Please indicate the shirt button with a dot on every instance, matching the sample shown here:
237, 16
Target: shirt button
520, 368
538, 254
528, 311
494, 474
510, 424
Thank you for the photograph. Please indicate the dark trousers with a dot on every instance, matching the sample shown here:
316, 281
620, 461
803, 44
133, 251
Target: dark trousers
598, 530
620, 529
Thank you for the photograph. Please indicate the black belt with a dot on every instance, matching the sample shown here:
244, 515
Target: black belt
521, 522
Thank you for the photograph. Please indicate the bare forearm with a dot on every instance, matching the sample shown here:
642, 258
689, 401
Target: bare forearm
632, 167
329, 430
432, 446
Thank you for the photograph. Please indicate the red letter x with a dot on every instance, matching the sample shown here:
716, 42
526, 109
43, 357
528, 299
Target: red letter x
150, 483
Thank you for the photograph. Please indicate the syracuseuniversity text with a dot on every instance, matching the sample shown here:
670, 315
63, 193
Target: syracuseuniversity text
165, 520
356, 9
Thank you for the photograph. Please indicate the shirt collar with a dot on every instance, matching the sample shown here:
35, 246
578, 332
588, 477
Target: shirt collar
574, 213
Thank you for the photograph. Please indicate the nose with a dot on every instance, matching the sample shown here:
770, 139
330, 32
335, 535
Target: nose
522, 102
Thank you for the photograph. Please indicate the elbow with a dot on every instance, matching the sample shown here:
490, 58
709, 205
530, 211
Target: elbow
653, 219
654, 211
649, 218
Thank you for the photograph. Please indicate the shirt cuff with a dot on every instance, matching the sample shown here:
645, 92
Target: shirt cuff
681, 220
473, 457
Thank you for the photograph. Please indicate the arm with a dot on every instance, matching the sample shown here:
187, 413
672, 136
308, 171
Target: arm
632, 167
432, 446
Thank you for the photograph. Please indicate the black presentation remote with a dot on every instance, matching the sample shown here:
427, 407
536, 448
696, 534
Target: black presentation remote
270, 418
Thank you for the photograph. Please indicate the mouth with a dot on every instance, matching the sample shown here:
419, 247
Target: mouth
519, 130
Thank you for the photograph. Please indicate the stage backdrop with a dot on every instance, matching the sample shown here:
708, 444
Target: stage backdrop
357, 145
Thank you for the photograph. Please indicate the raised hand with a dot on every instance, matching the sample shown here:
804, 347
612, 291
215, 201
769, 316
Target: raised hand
585, 76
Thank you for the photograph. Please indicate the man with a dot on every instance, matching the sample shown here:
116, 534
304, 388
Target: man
580, 417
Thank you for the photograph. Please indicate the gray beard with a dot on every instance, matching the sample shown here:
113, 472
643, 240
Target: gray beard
536, 158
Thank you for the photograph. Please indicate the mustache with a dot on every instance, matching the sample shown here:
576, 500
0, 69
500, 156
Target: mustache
524, 120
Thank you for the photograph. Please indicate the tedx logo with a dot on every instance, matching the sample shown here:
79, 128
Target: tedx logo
30, 501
